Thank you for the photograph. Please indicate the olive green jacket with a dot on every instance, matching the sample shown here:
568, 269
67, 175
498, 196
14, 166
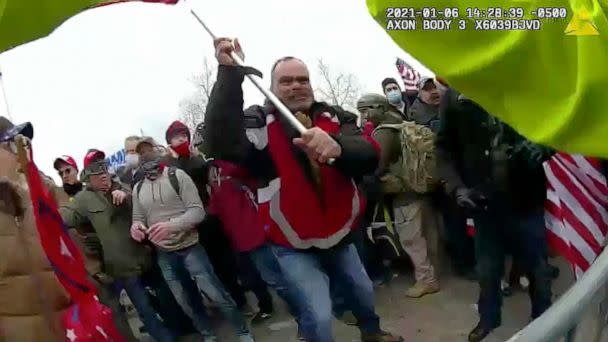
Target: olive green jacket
122, 256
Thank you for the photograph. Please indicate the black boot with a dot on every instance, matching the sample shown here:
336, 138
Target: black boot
480, 332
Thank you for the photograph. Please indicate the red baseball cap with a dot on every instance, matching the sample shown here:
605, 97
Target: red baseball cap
64, 160
92, 156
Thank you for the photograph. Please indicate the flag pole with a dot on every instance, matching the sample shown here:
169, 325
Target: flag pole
8, 112
285, 112
269, 95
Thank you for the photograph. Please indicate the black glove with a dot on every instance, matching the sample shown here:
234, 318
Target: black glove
532, 155
465, 198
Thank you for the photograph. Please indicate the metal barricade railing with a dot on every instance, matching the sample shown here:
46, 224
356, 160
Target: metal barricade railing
561, 320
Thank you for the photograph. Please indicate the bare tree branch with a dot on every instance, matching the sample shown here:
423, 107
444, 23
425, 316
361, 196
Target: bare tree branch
337, 88
192, 108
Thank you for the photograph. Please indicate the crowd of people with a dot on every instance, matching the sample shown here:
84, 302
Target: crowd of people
246, 202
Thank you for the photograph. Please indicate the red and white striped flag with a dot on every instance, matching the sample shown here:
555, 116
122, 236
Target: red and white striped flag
576, 214
410, 76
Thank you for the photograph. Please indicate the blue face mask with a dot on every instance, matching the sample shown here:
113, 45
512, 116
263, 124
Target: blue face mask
394, 97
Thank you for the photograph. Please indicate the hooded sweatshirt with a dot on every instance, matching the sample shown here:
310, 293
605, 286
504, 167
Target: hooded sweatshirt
156, 201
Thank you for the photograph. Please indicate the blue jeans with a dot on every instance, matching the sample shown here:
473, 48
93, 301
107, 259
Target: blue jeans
195, 261
141, 301
164, 302
310, 272
267, 265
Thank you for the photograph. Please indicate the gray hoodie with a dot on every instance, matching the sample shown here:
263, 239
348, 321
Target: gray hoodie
156, 201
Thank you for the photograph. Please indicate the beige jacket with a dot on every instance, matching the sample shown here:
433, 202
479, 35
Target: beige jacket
31, 299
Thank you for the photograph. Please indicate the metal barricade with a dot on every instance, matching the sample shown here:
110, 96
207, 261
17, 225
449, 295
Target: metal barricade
583, 305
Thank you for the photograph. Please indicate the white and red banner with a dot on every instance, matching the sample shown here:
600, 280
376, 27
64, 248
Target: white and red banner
576, 214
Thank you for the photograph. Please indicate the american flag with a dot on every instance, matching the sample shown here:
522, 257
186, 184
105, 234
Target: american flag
576, 214
409, 75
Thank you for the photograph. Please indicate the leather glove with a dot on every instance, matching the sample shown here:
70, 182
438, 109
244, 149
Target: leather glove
464, 198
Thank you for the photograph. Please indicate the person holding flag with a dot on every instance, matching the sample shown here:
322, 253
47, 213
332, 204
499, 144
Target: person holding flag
32, 298
308, 208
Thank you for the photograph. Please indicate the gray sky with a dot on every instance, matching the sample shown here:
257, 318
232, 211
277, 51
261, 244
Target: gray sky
109, 72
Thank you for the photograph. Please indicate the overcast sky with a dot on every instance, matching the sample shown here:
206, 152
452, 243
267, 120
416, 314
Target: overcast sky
110, 72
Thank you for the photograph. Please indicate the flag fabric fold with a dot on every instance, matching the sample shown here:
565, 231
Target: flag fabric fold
409, 75
22, 21
549, 85
86, 320
576, 214
61, 251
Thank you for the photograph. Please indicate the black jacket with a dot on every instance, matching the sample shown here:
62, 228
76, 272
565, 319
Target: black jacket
423, 113
466, 142
226, 124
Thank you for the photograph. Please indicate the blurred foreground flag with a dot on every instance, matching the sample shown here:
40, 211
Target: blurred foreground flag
547, 79
576, 210
22, 21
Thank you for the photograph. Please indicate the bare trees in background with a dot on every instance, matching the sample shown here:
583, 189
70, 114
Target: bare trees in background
337, 88
192, 109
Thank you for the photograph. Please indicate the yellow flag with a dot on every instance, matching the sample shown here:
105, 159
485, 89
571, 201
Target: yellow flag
549, 82
22, 21
581, 25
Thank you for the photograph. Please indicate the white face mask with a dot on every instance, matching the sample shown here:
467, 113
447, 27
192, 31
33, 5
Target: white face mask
132, 160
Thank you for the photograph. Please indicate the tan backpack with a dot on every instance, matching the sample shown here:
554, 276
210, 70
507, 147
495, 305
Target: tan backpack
417, 165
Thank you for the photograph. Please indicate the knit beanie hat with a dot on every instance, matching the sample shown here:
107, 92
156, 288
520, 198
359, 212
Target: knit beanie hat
176, 127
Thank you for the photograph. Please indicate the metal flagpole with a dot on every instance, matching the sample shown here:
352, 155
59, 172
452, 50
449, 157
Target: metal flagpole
8, 112
285, 112
269, 95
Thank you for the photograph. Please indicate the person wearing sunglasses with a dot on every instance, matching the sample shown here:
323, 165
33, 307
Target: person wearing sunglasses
68, 171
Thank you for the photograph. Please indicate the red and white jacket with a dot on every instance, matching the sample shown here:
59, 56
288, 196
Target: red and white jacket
294, 211
294, 214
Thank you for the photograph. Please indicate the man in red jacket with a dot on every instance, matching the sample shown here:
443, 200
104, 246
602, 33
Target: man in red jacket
308, 208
